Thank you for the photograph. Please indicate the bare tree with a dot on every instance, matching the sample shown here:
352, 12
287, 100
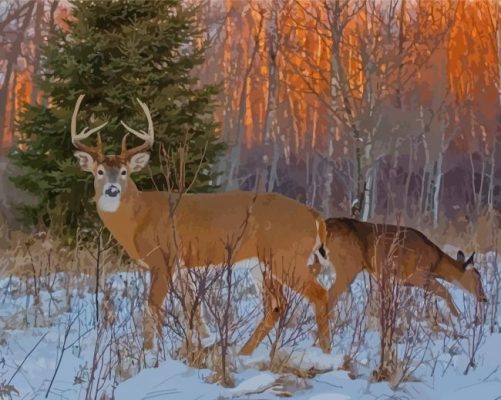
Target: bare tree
236, 148
271, 129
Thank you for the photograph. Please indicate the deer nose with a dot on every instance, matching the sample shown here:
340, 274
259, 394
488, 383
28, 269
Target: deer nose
112, 191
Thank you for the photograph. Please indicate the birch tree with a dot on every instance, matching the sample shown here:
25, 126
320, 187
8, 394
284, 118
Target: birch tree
271, 129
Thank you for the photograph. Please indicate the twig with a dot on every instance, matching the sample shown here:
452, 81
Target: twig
63, 349
26, 357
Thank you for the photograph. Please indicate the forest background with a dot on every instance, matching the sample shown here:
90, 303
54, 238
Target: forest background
367, 108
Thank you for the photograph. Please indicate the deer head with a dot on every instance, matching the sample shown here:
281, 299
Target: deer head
471, 279
111, 172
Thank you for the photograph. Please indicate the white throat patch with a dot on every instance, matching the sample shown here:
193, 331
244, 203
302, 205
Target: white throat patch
108, 204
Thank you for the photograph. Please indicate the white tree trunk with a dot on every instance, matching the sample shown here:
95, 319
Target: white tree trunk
437, 187
409, 177
328, 178
271, 134
369, 205
481, 189
490, 193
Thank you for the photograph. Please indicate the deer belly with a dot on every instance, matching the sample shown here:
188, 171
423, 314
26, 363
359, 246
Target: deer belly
250, 265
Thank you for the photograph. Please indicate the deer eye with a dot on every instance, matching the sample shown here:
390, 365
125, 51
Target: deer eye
100, 172
124, 172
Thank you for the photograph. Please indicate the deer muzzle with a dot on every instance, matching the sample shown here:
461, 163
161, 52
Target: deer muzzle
112, 191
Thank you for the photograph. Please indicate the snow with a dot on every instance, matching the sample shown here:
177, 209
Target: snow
256, 384
330, 396
68, 342
171, 380
314, 358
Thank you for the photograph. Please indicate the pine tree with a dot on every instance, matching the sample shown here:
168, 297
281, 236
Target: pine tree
115, 52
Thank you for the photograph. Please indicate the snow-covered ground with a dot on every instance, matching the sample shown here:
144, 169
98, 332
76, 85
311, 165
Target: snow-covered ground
54, 357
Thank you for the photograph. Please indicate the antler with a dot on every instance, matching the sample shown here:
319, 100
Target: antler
148, 137
76, 138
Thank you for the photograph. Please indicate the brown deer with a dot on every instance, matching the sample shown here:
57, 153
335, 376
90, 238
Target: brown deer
353, 245
202, 229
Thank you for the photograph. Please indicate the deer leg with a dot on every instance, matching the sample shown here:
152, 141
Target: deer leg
423, 280
344, 278
302, 281
192, 316
274, 306
319, 297
153, 321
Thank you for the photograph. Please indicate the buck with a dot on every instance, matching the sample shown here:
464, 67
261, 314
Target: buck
421, 261
203, 229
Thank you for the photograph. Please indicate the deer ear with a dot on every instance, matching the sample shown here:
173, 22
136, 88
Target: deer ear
85, 160
138, 161
470, 261
460, 256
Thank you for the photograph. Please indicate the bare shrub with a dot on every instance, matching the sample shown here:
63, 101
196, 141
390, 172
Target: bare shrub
402, 317
66, 343
194, 289
295, 321
102, 255
203, 322
491, 281
351, 321
59, 281
7, 391
105, 360
472, 328
35, 260
186, 329
219, 306
118, 348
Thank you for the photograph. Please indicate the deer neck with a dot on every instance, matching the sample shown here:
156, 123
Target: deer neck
123, 222
449, 269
